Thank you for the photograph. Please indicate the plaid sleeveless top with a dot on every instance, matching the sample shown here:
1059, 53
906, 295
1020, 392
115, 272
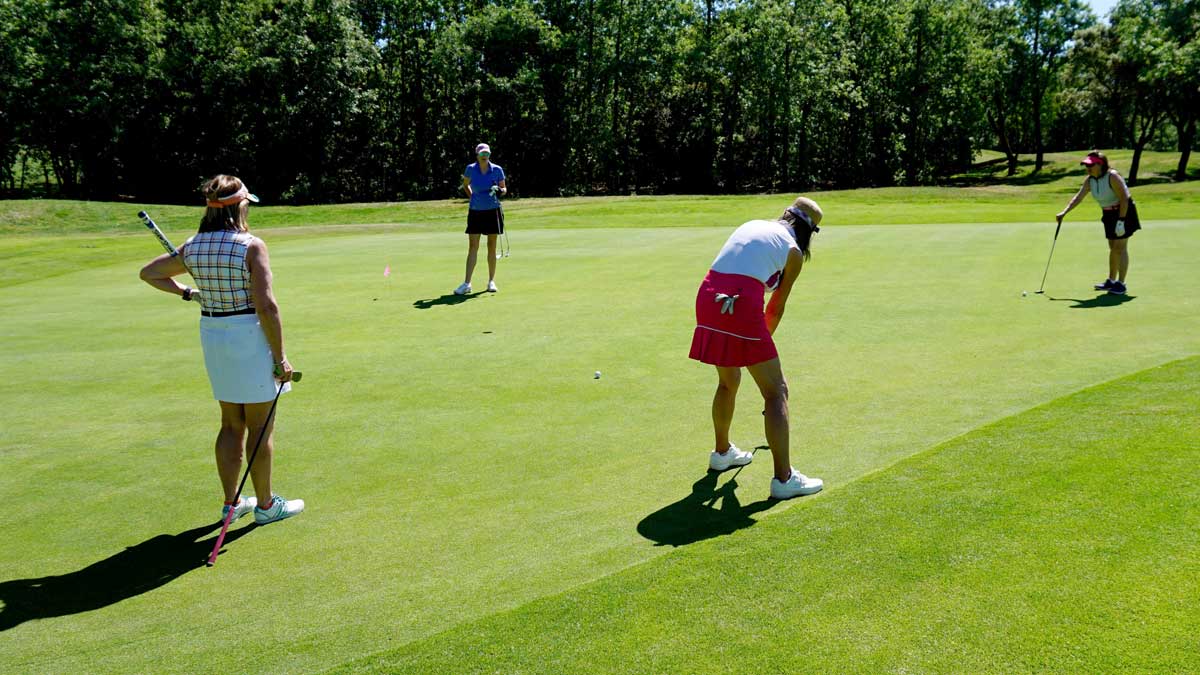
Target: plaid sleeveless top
217, 261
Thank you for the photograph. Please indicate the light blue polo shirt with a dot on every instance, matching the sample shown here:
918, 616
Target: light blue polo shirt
481, 185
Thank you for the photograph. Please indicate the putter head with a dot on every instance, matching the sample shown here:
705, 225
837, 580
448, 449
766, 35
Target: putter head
1039, 292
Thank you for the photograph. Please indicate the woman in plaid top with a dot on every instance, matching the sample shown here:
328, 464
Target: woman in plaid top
241, 335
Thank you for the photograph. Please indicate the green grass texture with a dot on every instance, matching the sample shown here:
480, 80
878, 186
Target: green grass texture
1061, 539
465, 473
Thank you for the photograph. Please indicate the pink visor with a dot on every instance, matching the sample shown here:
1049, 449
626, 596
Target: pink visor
1090, 160
235, 198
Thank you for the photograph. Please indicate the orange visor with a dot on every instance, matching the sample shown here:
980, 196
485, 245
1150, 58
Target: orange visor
235, 198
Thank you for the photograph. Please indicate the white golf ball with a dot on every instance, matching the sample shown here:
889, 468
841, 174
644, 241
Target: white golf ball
1024, 293
597, 375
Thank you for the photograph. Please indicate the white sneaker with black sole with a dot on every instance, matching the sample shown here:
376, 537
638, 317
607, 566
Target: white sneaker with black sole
463, 289
279, 509
245, 505
797, 485
732, 457
492, 287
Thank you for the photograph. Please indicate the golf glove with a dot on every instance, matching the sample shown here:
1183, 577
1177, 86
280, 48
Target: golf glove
1120, 228
495, 190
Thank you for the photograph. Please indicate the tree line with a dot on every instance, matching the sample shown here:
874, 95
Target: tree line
366, 100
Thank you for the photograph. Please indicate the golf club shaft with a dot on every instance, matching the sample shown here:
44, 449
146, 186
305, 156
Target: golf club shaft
162, 238
212, 558
1052, 244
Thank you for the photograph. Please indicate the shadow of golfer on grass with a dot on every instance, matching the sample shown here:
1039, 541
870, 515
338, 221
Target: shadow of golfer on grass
696, 517
447, 299
1104, 300
140, 568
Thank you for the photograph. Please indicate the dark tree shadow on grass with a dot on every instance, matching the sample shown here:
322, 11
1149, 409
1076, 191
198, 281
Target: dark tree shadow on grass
1103, 300
448, 299
696, 517
136, 570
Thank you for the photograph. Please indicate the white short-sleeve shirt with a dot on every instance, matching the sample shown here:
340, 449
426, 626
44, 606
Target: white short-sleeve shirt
757, 249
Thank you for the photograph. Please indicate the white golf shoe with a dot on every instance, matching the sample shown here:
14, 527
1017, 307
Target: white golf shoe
797, 485
279, 509
245, 505
463, 289
492, 287
734, 456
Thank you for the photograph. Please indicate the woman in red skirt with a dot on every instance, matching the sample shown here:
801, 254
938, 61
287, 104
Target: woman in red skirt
733, 331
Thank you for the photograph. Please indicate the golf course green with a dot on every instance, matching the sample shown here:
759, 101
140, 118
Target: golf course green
1010, 480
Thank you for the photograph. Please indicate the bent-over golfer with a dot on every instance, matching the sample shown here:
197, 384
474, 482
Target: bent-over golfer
1118, 215
734, 331
241, 335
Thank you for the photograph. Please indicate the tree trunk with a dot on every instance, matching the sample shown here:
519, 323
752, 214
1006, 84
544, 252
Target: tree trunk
1133, 165
1186, 135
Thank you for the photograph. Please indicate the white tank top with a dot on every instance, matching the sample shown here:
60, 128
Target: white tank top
757, 249
217, 261
1103, 191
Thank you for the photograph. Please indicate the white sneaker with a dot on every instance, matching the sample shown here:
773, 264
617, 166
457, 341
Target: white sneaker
734, 456
463, 289
280, 508
245, 505
492, 287
796, 486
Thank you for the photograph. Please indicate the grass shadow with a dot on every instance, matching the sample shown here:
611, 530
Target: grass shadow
1102, 300
696, 517
140, 568
447, 299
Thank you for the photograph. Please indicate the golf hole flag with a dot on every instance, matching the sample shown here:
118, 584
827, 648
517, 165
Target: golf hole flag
387, 270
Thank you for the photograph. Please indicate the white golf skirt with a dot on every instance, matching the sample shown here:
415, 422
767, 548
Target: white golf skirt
238, 359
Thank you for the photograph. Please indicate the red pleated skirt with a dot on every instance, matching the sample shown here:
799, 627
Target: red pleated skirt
736, 338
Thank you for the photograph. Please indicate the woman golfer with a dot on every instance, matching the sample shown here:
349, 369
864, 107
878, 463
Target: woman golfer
733, 331
241, 336
484, 184
1118, 214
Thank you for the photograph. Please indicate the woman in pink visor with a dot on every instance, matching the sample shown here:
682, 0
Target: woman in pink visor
1118, 214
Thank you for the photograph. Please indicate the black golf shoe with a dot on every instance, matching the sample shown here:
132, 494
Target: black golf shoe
1107, 285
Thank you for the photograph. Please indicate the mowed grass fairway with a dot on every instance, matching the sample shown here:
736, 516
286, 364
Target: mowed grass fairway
1010, 482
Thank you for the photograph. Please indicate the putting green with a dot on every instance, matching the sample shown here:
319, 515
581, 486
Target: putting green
458, 458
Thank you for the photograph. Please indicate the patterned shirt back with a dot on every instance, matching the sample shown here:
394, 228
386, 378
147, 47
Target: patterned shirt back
217, 261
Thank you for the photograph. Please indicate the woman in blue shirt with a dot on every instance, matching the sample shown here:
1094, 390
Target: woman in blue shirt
484, 184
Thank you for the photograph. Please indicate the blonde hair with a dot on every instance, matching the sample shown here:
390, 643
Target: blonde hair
219, 218
803, 232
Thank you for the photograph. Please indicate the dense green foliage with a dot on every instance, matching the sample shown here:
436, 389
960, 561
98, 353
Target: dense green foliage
338, 101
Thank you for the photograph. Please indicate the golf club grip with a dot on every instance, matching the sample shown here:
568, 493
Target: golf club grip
212, 557
162, 238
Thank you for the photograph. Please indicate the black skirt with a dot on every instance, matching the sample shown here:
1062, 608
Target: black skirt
490, 221
1111, 216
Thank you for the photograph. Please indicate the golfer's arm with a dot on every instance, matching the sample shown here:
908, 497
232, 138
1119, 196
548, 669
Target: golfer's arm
503, 187
1083, 190
467, 186
778, 301
158, 273
264, 298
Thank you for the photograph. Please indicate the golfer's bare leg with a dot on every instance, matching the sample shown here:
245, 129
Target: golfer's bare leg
1121, 247
768, 375
229, 447
723, 405
260, 471
1114, 259
472, 256
492, 257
